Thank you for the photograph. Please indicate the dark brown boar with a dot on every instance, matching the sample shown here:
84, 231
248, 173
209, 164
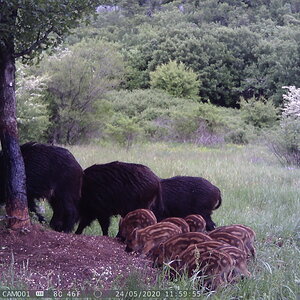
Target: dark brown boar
116, 188
52, 173
185, 195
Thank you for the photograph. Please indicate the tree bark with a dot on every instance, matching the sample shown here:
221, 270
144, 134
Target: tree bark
15, 180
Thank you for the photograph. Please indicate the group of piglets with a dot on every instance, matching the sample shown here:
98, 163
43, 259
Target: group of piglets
218, 257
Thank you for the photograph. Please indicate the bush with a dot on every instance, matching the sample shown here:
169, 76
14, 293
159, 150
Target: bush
143, 104
123, 130
222, 125
163, 117
184, 122
260, 113
286, 141
150, 108
176, 79
238, 136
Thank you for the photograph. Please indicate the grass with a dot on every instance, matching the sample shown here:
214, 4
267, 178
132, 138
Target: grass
256, 190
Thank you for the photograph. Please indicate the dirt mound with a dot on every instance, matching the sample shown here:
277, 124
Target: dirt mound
43, 259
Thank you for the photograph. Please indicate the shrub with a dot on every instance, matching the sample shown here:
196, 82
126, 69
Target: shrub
286, 141
150, 108
143, 104
123, 130
260, 113
176, 79
222, 125
184, 122
163, 117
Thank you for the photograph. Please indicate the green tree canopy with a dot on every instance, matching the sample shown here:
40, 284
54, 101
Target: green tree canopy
237, 48
33, 26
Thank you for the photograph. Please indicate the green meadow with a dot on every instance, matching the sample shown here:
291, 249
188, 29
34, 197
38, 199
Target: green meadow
257, 191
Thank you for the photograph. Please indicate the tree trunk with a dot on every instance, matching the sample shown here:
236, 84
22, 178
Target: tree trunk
15, 181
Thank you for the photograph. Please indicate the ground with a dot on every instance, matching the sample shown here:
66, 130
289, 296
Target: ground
44, 259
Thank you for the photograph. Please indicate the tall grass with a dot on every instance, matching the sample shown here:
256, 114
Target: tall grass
256, 191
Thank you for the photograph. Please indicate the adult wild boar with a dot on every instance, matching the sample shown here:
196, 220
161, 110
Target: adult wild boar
116, 188
52, 173
185, 195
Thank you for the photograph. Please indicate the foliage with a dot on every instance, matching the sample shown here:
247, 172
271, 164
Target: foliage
286, 141
151, 109
79, 77
253, 184
292, 103
277, 62
32, 111
35, 26
237, 48
260, 113
176, 79
221, 125
163, 117
123, 130
146, 105
184, 123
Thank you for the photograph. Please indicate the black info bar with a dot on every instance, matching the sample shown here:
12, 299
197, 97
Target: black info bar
98, 294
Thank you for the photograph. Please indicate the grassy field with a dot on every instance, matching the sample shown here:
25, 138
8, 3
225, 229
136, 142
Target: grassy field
256, 190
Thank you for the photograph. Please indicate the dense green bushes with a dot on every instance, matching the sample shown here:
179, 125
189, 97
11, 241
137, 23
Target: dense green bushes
160, 116
207, 72
128, 116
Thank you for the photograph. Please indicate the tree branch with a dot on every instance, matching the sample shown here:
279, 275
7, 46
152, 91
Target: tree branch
35, 45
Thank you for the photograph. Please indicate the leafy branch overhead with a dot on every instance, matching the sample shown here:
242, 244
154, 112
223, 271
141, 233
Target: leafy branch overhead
35, 26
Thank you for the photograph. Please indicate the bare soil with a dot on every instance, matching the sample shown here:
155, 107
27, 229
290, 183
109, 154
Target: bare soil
45, 259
